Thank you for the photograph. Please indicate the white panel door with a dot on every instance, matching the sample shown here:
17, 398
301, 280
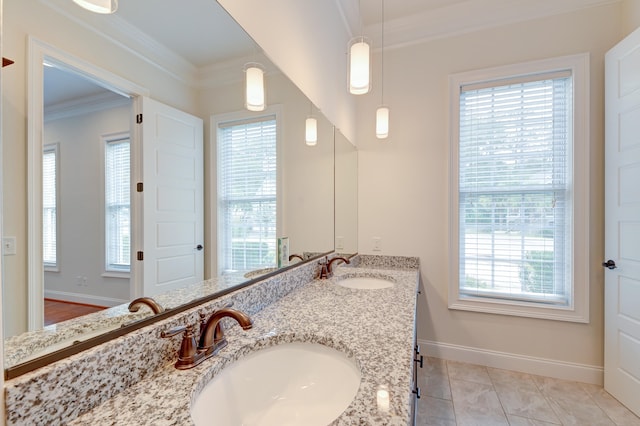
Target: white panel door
622, 222
173, 198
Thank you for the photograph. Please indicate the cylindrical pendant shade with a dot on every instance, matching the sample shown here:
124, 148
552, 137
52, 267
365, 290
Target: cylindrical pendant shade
98, 6
359, 66
311, 131
254, 87
382, 122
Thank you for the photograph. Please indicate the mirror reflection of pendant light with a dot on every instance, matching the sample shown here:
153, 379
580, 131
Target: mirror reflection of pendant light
311, 129
254, 87
359, 64
382, 113
98, 6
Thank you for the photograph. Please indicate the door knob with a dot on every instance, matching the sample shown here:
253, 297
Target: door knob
199, 247
609, 264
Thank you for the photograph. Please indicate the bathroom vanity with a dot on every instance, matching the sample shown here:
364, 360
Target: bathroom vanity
132, 379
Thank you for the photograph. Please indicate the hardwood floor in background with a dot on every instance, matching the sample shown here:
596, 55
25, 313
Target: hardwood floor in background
56, 311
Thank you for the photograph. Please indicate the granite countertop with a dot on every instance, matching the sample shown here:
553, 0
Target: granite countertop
374, 327
28, 345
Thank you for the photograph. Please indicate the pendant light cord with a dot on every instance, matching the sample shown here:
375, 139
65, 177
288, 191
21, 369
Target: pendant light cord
382, 57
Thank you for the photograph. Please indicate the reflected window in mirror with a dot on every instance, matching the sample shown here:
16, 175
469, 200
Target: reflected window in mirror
247, 193
50, 206
117, 178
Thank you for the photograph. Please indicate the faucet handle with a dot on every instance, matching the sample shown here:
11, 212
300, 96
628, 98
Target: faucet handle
323, 271
188, 348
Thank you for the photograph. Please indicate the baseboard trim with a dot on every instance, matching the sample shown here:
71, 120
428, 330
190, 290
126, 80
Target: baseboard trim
508, 361
86, 299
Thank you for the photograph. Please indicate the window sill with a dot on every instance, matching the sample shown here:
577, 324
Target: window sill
519, 309
115, 274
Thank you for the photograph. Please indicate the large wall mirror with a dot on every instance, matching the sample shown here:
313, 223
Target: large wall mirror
70, 140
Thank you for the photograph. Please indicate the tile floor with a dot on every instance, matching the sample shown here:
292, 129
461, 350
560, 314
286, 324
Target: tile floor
455, 393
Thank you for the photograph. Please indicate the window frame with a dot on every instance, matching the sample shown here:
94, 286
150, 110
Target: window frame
55, 148
579, 185
240, 116
104, 141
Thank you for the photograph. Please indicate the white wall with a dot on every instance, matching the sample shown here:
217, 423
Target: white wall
81, 202
630, 16
403, 189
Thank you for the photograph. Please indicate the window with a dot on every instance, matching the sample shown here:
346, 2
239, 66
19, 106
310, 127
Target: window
247, 175
519, 161
49, 206
117, 204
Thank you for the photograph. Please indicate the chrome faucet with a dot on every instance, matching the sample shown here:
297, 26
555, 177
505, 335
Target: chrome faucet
135, 305
325, 267
211, 340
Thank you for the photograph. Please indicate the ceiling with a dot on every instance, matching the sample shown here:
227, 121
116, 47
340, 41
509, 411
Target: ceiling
411, 21
168, 27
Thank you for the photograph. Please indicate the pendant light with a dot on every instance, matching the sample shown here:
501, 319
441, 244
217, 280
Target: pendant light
311, 128
311, 131
254, 87
382, 113
98, 6
359, 65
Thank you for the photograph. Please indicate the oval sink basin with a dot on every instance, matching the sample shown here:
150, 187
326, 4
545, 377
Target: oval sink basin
287, 384
365, 283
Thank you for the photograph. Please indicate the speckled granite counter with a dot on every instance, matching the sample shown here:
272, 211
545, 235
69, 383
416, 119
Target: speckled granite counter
375, 327
126, 376
31, 344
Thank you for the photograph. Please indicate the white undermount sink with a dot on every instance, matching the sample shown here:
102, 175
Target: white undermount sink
365, 283
287, 384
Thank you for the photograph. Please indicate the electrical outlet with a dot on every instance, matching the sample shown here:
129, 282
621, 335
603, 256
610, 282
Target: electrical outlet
377, 244
339, 243
9, 246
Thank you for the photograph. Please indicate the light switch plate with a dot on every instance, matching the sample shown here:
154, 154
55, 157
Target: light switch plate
9, 246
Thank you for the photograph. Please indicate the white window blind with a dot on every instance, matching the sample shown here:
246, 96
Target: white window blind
247, 193
514, 192
117, 205
49, 205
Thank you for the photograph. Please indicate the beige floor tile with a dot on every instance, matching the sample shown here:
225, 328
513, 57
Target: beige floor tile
562, 389
436, 386
476, 404
523, 421
572, 412
468, 372
460, 394
525, 403
611, 406
434, 366
435, 412
512, 379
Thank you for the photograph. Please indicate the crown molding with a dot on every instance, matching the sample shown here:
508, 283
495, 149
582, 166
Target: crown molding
470, 16
84, 105
231, 71
130, 39
348, 10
